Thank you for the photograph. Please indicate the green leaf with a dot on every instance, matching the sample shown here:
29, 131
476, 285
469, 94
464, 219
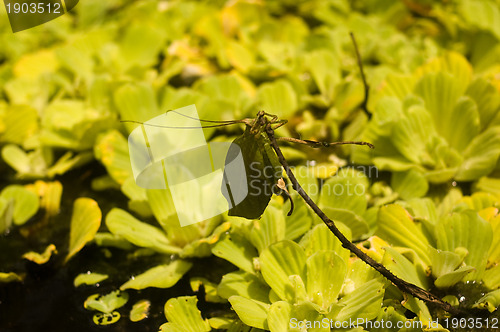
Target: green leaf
279, 316
365, 302
16, 158
252, 313
466, 124
6, 213
343, 199
412, 132
441, 92
71, 124
239, 56
325, 70
450, 279
108, 318
397, 227
140, 310
19, 123
111, 149
43, 257
26, 203
278, 98
138, 199
278, 262
409, 184
403, 268
452, 63
163, 208
89, 278
106, 303
389, 315
321, 238
227, 88
490, 301
299, 222
235, 249
67, 162
141, 45
9, 277
136, 102
444, 262
487, 99
80, 63
85, 221
308, 181
222, 323
270, 229
466, 229
202, 247
243, 284
121, 223
423, 209
481, 155
209, 287
161, 276
183, 314
357, 225
494, 254
491, 185
491, 277
111, 240
262, 171
346, 191
479, 201
482, 14
326, 272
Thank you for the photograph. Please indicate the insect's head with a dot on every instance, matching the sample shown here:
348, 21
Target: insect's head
263, 121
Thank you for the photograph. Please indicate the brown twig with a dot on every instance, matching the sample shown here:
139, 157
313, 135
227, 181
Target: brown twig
364, 104
403, 285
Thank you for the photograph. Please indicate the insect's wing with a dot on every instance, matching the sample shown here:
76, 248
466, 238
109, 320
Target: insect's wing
249, 193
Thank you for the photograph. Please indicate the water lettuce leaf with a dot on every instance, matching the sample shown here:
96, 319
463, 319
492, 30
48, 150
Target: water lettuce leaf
161, 276
279, 316
398, 227
121, 223
140, 310
326, 272
106, 303
26, 203
43, 257
243, 284
251, 312
89, 278
237, 250
183, 315
85, 221
470, 231
279, 261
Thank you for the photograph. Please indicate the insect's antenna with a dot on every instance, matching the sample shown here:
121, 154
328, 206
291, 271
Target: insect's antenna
219, 123
212, 121
171, 127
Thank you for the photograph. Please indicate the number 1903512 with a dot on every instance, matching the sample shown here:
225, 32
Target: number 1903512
33, 8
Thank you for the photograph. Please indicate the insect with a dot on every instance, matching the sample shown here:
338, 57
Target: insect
249, 185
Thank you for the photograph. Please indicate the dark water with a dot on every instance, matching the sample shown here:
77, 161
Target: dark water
47, 300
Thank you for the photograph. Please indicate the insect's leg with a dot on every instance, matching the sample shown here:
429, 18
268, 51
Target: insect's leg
280, 123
